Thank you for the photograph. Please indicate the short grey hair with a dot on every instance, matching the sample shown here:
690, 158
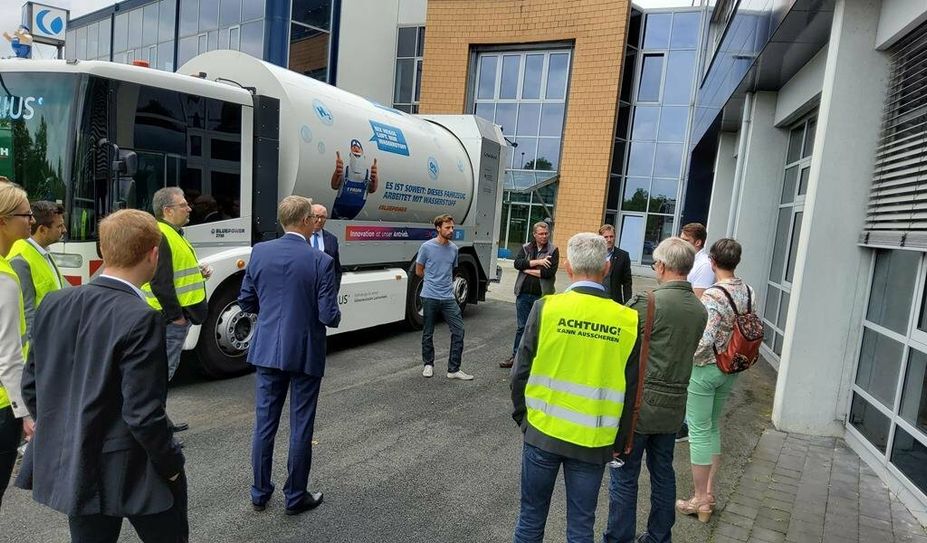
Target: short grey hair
163, 198
294, 209
540, 224
676, 254
586, 252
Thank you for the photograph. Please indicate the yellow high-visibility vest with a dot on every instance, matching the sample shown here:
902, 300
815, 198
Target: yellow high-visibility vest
44, 278
5, 268
576, 388
189, 283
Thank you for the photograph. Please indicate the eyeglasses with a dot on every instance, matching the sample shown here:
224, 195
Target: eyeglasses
653, 266
184, 204
30, 214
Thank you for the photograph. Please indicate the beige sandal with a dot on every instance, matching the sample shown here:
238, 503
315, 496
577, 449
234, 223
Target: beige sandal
692, 506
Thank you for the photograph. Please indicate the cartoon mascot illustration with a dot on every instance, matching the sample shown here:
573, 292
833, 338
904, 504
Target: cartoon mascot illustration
353, 182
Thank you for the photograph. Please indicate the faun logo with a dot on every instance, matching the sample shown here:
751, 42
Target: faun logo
53, 27
19, 107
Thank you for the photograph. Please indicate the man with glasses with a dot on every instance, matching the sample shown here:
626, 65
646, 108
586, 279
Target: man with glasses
617, 282
324, 240
37, 271
178, 289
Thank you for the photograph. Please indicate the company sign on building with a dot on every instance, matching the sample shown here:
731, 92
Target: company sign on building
47, 24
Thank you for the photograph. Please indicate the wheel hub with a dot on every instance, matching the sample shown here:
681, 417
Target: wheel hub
234, 330
461, 289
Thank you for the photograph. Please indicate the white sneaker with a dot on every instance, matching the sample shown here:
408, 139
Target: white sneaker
428, 371
460, 375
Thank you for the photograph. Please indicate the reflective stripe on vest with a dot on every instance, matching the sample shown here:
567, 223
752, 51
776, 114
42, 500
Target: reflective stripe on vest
189, 284
43, 276
576, 388
5, 268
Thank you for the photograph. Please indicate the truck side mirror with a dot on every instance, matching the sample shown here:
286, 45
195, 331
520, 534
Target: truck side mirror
125, 164
125, 192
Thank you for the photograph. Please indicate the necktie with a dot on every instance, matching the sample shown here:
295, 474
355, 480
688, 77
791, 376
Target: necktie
315, 240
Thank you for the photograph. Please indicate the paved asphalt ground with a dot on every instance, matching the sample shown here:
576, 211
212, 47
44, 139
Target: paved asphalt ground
400, 458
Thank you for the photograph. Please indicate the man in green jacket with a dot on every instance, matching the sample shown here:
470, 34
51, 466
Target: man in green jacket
678, 323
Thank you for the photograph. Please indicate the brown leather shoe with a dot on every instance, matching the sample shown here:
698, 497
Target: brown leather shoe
508, 362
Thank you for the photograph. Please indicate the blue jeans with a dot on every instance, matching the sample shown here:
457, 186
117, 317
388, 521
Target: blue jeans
622, 491
538, 474
451, 311
523, 305
174, 339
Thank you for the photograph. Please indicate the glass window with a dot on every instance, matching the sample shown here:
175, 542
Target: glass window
651, 79
685, 30
525, 153
166, 56
418, 82
150, 24
659, 227
809, 138
657, 30
914, 395
910, 457
106, 31
235, 38
318, 13
892, 289
420, 46
680, 69
486, 87
788, 185
69, 40
508, 88
634, 28
531, 84
803, 181
782, 318
166, 20
120, 32
81, 40
772, 304
136, 20
673, 121
668, 160
93, 40
618, 152
779, 247
229, 12
640, 161
406, 45
869, 422
793, 247
795, 143
485, 110
636, 193
548, 154
632, 230
663, 196
645, 123
557, 70
405, 77
189, 15
528, 117
209, 15
552, 119
252, 9
627, 75
505, 117
186, 50
879, 364
624, 120
309, 55
252, 38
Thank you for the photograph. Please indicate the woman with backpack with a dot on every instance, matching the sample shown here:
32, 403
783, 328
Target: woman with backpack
728, 345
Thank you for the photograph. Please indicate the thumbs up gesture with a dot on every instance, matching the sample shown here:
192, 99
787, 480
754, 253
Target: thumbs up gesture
339, 171
374, 178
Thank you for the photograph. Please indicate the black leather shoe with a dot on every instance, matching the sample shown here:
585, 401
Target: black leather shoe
310, 501
180, 427
258, 506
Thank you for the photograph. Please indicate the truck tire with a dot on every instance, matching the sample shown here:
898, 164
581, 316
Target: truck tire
414, 315
226, 334
465, 284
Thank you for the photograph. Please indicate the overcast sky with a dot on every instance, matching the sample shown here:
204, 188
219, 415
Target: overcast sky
10, 18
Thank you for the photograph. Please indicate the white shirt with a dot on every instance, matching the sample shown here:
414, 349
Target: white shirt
11, 347
701, 276
137, 290
318, 240
296, 234
48, 258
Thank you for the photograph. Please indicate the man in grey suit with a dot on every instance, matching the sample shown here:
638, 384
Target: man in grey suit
291, 287
95, 383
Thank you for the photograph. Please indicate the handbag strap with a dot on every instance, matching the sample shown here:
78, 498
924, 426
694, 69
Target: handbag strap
642, 370
730, 299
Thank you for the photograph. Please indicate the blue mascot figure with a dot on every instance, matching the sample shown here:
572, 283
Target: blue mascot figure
20, 41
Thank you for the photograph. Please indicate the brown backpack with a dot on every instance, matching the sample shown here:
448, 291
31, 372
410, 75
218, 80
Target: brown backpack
743, 349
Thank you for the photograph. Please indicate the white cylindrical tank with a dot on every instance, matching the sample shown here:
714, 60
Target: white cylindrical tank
360, 159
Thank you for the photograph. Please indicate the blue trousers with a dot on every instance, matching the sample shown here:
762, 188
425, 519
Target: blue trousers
270, 393
431, 308
622, 491
523, 305
538, 474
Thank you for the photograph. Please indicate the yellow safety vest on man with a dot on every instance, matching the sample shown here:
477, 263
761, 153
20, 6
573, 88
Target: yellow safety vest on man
5, 268
576, 388
44, 278
189, 283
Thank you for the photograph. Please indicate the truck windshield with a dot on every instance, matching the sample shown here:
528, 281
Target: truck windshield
36, 131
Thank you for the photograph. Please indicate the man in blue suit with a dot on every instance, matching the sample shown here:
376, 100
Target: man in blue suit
291, 287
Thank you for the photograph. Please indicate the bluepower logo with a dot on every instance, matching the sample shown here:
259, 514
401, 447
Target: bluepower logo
15, 108
53, 27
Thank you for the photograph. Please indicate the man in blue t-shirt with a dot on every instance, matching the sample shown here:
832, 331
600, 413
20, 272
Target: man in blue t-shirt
435, 263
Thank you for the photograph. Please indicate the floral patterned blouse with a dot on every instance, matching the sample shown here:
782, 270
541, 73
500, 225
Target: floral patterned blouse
721, 317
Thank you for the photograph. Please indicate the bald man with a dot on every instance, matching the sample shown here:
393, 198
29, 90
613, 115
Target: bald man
324, 240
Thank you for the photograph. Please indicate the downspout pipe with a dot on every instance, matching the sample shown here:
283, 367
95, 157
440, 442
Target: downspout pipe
734, 213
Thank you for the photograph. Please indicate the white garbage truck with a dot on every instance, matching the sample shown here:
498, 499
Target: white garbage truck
237, 135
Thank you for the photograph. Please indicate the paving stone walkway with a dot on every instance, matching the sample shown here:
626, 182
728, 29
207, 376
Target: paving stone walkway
809, 489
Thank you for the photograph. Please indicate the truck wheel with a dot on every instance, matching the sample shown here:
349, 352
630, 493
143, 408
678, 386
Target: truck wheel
226, 334
414, 314
465, 281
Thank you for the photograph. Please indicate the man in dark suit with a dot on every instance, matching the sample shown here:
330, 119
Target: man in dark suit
291, 287
325, 241
96, 383
617, 282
